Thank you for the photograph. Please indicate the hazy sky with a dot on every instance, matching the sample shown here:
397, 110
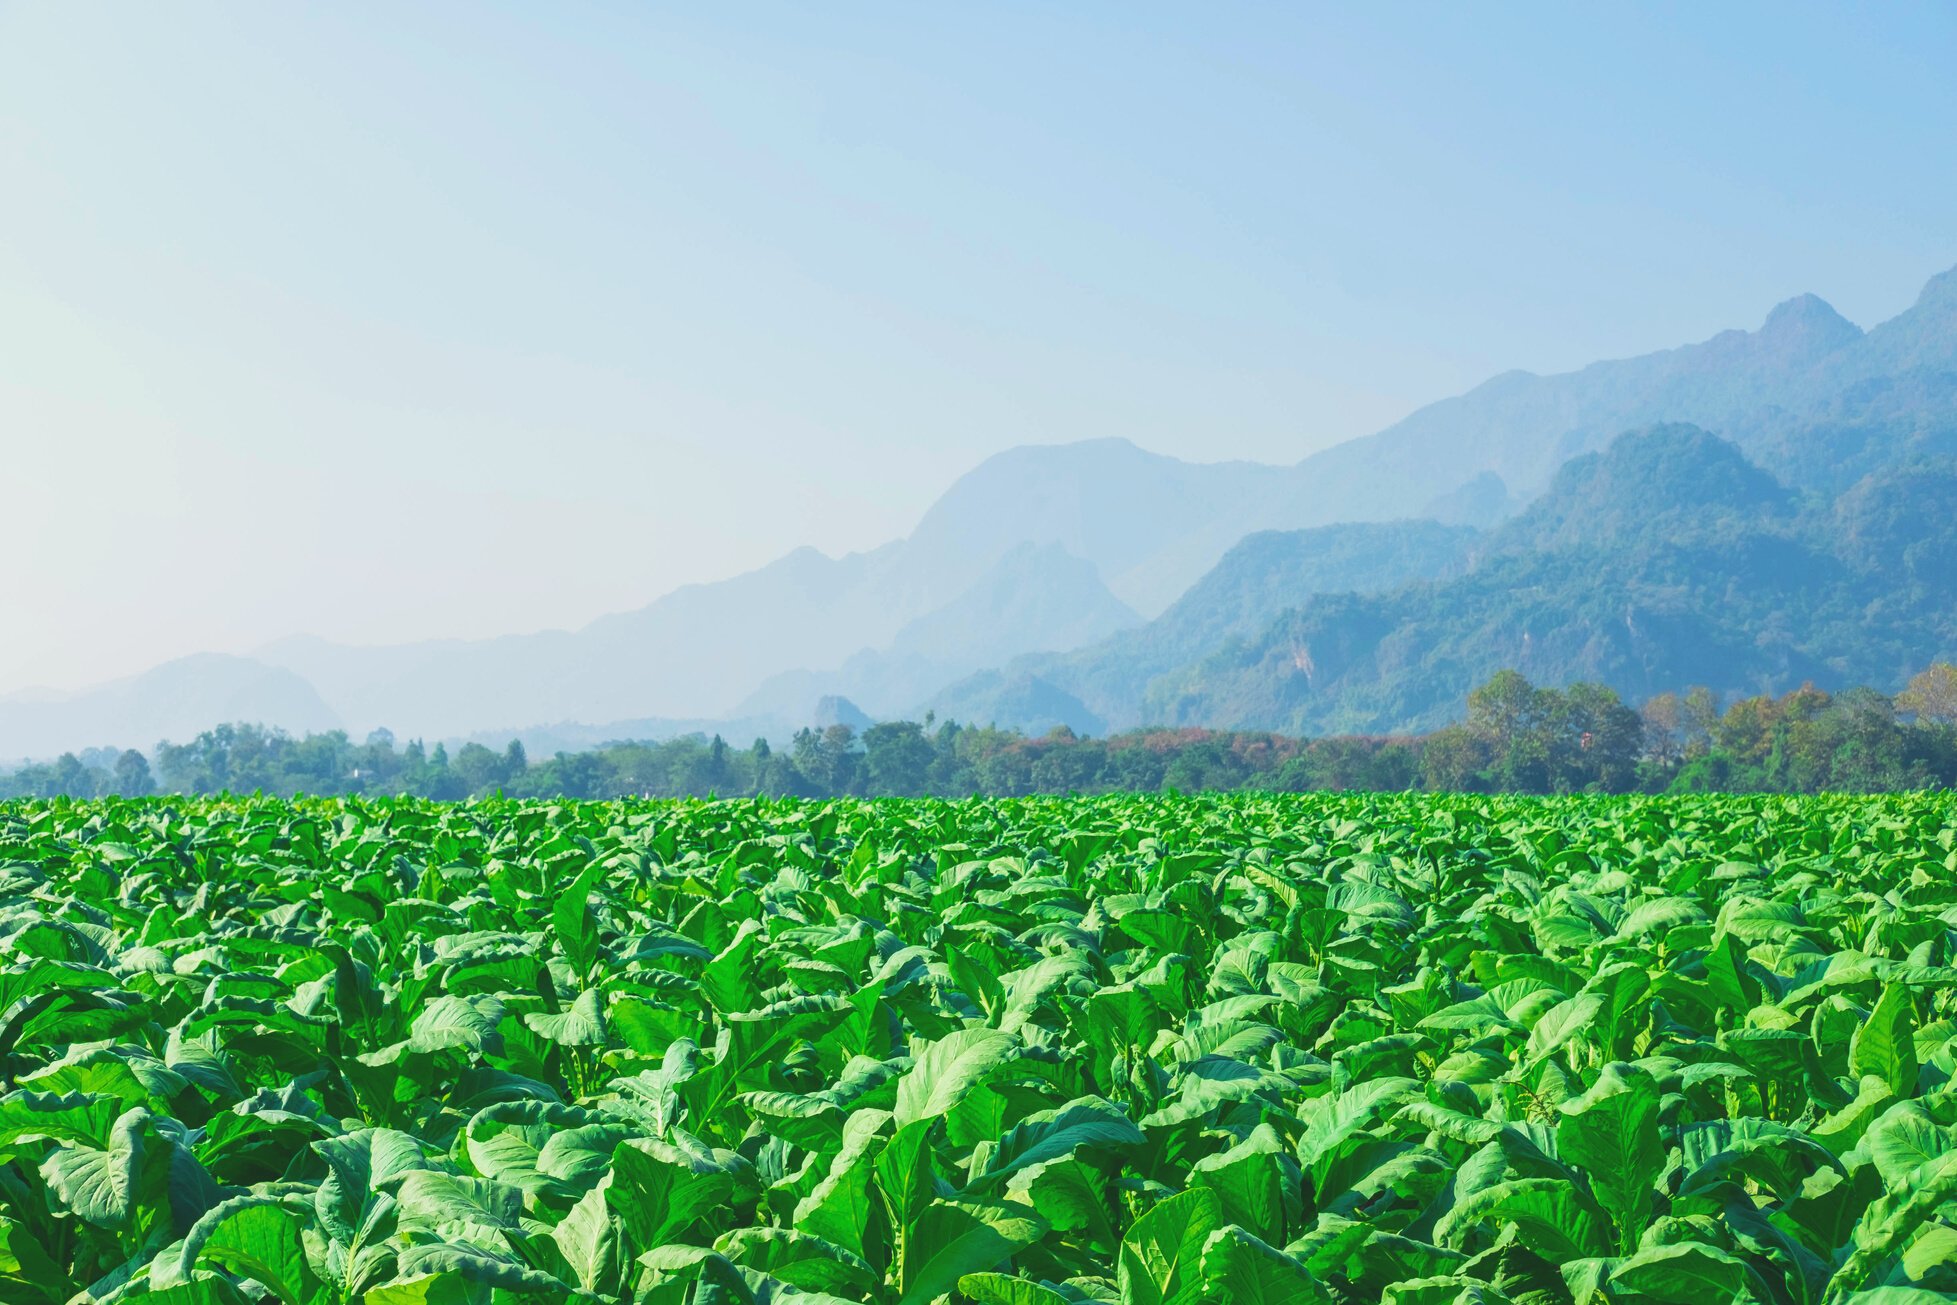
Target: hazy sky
387, 322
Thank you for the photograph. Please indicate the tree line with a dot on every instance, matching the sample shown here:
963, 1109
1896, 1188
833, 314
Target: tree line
1516, 737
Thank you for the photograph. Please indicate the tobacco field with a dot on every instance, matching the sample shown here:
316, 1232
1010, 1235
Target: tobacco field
1150, 1050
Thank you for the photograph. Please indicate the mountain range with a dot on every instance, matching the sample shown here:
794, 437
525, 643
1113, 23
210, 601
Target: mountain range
1100, 585
1665, 561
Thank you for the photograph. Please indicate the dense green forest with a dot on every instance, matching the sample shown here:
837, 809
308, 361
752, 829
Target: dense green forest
1516, 737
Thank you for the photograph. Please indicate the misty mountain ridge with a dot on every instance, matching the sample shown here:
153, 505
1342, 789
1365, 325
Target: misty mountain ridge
1150, 525
1666, 561
704, 650
175, 700
1808, 398
1038, 596
1105, 685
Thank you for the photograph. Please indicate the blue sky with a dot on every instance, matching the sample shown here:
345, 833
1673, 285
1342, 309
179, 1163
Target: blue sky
388, 322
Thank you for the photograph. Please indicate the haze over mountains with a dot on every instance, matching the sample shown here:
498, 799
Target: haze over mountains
1667, 560
1798, 531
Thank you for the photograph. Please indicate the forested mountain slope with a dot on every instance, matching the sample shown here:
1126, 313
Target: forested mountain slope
1105, 685
1667, 560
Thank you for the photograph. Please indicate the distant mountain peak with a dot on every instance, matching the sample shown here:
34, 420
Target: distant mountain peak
1667, 480
1671, 463
1098, 447
176, 700
1939, 294
833, 709
1809, 320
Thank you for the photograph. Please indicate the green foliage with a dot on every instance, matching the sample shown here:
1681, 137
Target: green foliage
1144, 1050
1518, 738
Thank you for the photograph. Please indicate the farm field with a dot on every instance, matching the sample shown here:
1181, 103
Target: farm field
1147, 1050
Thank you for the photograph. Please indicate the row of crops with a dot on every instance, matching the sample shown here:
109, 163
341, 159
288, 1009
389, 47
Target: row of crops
1154, 1051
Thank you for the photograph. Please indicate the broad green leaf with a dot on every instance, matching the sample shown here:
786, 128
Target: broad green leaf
659, 1189
1562, 1024
27, 1116
588, 1238
950, 1239
578, 1157
576, 923
1726, 971
1239, 1268
463, 1023
1252, 1180
1338, 1121
425, 1289
1889, 1222
1932, 1249
254, 1237
1903, 1140
581, 1024
101, 1186
362, 1168
945, 1071
728, 979
1611, 1132
1885, 1045
838, 1207
1004, 1289
1550, 1216
1050, 1134
476, 1265
27, 1272
1843, 1128
1161, 1257
1072, 1197
458, 1208
906, 1173
504, 1141
1684, 1273
801, 1260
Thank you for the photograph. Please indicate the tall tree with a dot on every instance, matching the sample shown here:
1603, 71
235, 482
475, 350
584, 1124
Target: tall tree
1507, 714
1931, 695
899, 758
131, 777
